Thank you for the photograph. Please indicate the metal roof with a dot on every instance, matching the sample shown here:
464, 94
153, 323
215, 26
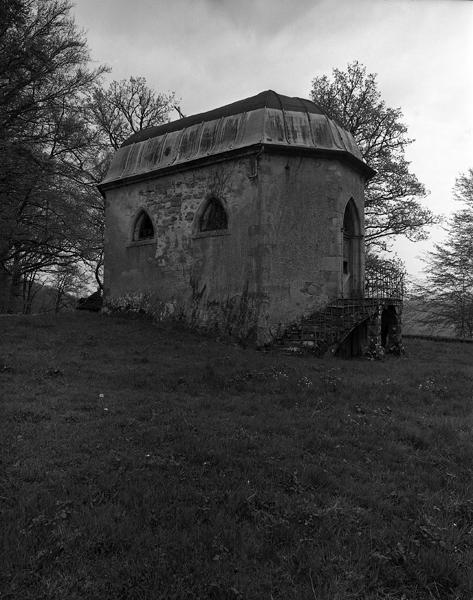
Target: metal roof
268, 120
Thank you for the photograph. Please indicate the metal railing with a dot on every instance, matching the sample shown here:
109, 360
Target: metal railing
388, 285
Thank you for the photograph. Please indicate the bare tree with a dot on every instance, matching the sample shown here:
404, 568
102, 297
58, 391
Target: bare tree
128, 106
392, 206
44, 135
67, 282
447, 294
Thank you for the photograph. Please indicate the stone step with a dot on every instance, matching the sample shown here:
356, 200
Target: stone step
327, 327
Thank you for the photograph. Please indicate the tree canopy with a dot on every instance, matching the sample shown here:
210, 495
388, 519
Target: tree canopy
44, 137
128, 106
392, 198
58, 128
447, 294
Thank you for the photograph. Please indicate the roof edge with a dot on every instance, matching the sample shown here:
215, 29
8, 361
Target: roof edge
366, 171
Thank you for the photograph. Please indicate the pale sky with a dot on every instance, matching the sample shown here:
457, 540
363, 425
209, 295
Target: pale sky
212, 52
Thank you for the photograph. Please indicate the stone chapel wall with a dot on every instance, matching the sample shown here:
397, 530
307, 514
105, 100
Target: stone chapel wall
303, 200
207, 278
280, 258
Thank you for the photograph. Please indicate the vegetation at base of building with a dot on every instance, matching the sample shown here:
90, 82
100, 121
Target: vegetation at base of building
145, 304
393, 196
146, 462
446, 295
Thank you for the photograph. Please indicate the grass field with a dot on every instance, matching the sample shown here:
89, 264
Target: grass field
145, 462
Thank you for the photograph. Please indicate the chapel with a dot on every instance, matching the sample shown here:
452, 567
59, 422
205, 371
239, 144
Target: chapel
247, 221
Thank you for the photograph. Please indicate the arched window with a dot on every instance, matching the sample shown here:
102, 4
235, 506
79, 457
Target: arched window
350, 219
213, 217
143, 229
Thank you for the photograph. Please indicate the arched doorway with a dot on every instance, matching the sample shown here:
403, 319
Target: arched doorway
351, 261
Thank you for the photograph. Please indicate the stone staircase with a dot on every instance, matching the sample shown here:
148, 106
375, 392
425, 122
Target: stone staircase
326, 329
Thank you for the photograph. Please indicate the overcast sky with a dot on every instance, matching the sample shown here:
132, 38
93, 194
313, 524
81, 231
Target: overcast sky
212, 52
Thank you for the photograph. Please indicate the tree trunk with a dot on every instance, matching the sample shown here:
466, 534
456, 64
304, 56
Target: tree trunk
14, 294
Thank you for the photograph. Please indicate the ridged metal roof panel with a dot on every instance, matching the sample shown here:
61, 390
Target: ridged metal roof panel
271, 119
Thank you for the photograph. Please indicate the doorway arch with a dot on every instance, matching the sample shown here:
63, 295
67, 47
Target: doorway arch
351, 252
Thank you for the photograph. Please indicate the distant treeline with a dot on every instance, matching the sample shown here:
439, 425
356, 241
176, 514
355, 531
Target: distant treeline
439, 338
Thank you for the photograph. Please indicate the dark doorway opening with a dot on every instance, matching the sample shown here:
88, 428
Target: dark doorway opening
389, 324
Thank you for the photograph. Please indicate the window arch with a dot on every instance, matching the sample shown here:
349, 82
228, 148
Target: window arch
143, 228
351, 222
214, 216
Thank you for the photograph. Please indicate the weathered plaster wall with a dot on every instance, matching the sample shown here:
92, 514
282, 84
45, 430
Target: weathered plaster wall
302, 204
280, 258
209, 278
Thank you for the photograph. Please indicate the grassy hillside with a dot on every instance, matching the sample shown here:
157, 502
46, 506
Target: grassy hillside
146, 462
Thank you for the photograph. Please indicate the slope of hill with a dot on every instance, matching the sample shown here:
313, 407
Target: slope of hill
146, 462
